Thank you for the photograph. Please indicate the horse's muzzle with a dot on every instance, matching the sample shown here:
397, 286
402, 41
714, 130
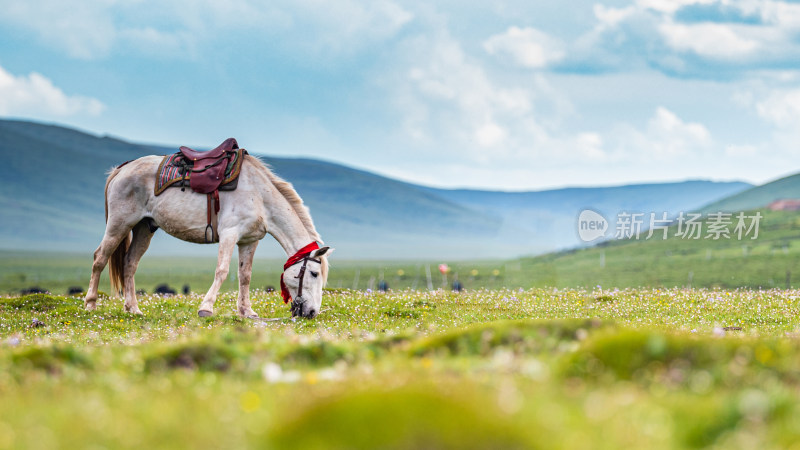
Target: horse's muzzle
300, 308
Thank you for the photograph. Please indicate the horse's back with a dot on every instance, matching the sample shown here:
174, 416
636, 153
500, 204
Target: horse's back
181, 212
134, 173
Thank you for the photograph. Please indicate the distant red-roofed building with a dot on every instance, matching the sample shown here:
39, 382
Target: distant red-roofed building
786, 204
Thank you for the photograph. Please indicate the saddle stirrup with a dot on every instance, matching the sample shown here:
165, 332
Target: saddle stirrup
212, 208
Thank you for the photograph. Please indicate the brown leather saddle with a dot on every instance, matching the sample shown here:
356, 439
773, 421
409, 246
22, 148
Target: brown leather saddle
208, 167
207, 175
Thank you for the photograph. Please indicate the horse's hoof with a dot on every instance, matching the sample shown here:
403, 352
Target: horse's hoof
135, 310
90, 306
252, 316
204, 313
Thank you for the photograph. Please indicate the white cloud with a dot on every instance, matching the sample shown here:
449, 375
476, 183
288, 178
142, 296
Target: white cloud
527, 47
665, 138
671, 36
590, 145
443, 92
671, 136
738, 151
670, 6
453, 103
348, 23
611, 17
781, 108
490, 134
781, 14
83, 29
709, 39
472, 114
93, 29
775, 99
36, 95
154, 42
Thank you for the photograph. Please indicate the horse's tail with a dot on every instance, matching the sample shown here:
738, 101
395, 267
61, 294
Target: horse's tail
116, 265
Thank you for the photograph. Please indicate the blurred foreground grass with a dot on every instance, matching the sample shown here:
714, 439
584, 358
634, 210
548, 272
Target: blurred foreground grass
542, 368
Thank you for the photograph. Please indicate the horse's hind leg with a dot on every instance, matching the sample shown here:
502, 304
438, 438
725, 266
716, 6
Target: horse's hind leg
139, 245
246, 253
114, 236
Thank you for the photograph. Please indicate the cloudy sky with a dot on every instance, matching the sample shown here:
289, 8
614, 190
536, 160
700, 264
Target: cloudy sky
526, 94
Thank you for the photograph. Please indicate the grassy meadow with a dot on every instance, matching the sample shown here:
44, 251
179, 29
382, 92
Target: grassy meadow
770, 261
606, 347
537, 368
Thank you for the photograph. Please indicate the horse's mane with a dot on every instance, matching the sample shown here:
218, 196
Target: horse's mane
287, 191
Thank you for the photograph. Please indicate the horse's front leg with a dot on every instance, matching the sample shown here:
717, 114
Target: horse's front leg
246, 252
226, 243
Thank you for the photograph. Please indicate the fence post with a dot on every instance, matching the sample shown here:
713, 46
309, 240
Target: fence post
428, 274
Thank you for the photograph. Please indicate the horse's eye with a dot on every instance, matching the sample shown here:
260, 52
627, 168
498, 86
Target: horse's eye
314, 274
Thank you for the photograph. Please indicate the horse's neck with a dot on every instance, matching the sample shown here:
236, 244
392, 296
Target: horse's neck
287, 228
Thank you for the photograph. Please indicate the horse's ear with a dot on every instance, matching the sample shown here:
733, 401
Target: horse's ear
320, 252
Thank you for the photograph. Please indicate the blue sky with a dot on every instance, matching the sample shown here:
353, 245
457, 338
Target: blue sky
501, 94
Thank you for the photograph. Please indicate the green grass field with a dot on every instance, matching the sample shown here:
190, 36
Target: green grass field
603, 347
539, 368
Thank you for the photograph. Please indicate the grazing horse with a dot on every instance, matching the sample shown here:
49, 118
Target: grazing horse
262, 203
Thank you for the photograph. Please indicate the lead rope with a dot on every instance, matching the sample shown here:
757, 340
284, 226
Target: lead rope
264, 320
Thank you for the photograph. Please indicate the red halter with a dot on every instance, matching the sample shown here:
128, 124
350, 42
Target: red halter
301, 255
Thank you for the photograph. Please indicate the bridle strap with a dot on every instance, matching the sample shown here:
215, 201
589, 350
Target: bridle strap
302, 274
302, 255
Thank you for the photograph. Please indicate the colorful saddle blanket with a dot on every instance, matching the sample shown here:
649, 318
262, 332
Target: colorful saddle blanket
176, 170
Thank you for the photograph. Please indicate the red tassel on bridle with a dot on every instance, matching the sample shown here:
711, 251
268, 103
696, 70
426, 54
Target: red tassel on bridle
301, 255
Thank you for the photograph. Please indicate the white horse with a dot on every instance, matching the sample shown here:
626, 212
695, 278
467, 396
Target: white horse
262, 203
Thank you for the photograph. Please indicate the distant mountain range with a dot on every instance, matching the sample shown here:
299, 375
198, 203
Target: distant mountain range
52, 181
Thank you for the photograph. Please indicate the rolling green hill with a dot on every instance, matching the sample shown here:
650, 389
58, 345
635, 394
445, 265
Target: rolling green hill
771, 260
52, 181
759, 196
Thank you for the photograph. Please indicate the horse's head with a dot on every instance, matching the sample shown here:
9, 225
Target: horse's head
302, 281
